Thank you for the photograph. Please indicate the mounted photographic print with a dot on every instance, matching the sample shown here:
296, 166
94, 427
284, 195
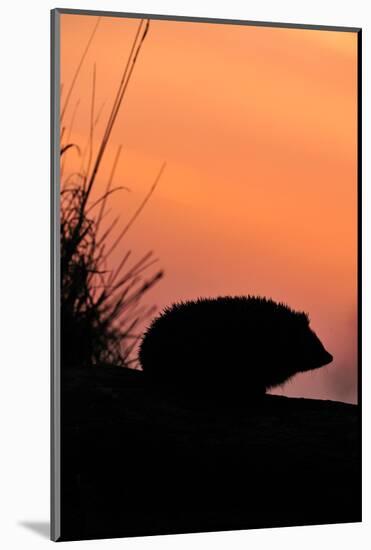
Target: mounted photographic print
205, 275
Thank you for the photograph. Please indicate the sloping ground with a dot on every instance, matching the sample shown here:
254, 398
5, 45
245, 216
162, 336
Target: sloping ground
138, 460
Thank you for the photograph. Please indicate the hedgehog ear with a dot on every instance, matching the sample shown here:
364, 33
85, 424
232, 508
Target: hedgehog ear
306, 318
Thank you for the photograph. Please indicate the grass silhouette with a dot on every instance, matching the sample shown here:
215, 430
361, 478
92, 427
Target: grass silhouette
100, 307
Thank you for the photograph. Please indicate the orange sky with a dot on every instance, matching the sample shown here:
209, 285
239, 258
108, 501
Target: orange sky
258, 129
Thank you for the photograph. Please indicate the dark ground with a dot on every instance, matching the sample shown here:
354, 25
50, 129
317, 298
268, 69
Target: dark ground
137, 460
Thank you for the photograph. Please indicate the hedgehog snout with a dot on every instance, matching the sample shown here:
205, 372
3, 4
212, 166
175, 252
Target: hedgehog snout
327, 358
323, 357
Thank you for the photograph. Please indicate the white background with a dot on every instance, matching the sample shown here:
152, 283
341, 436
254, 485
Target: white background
24, 272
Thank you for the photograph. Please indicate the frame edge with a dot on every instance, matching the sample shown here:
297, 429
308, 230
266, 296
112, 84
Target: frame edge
55, 470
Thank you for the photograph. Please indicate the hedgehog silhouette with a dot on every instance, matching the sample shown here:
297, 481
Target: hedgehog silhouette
231, 343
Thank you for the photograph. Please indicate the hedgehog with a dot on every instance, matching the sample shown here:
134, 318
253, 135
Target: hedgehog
233, 344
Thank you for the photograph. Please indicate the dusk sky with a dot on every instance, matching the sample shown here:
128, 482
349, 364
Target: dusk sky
258, 127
